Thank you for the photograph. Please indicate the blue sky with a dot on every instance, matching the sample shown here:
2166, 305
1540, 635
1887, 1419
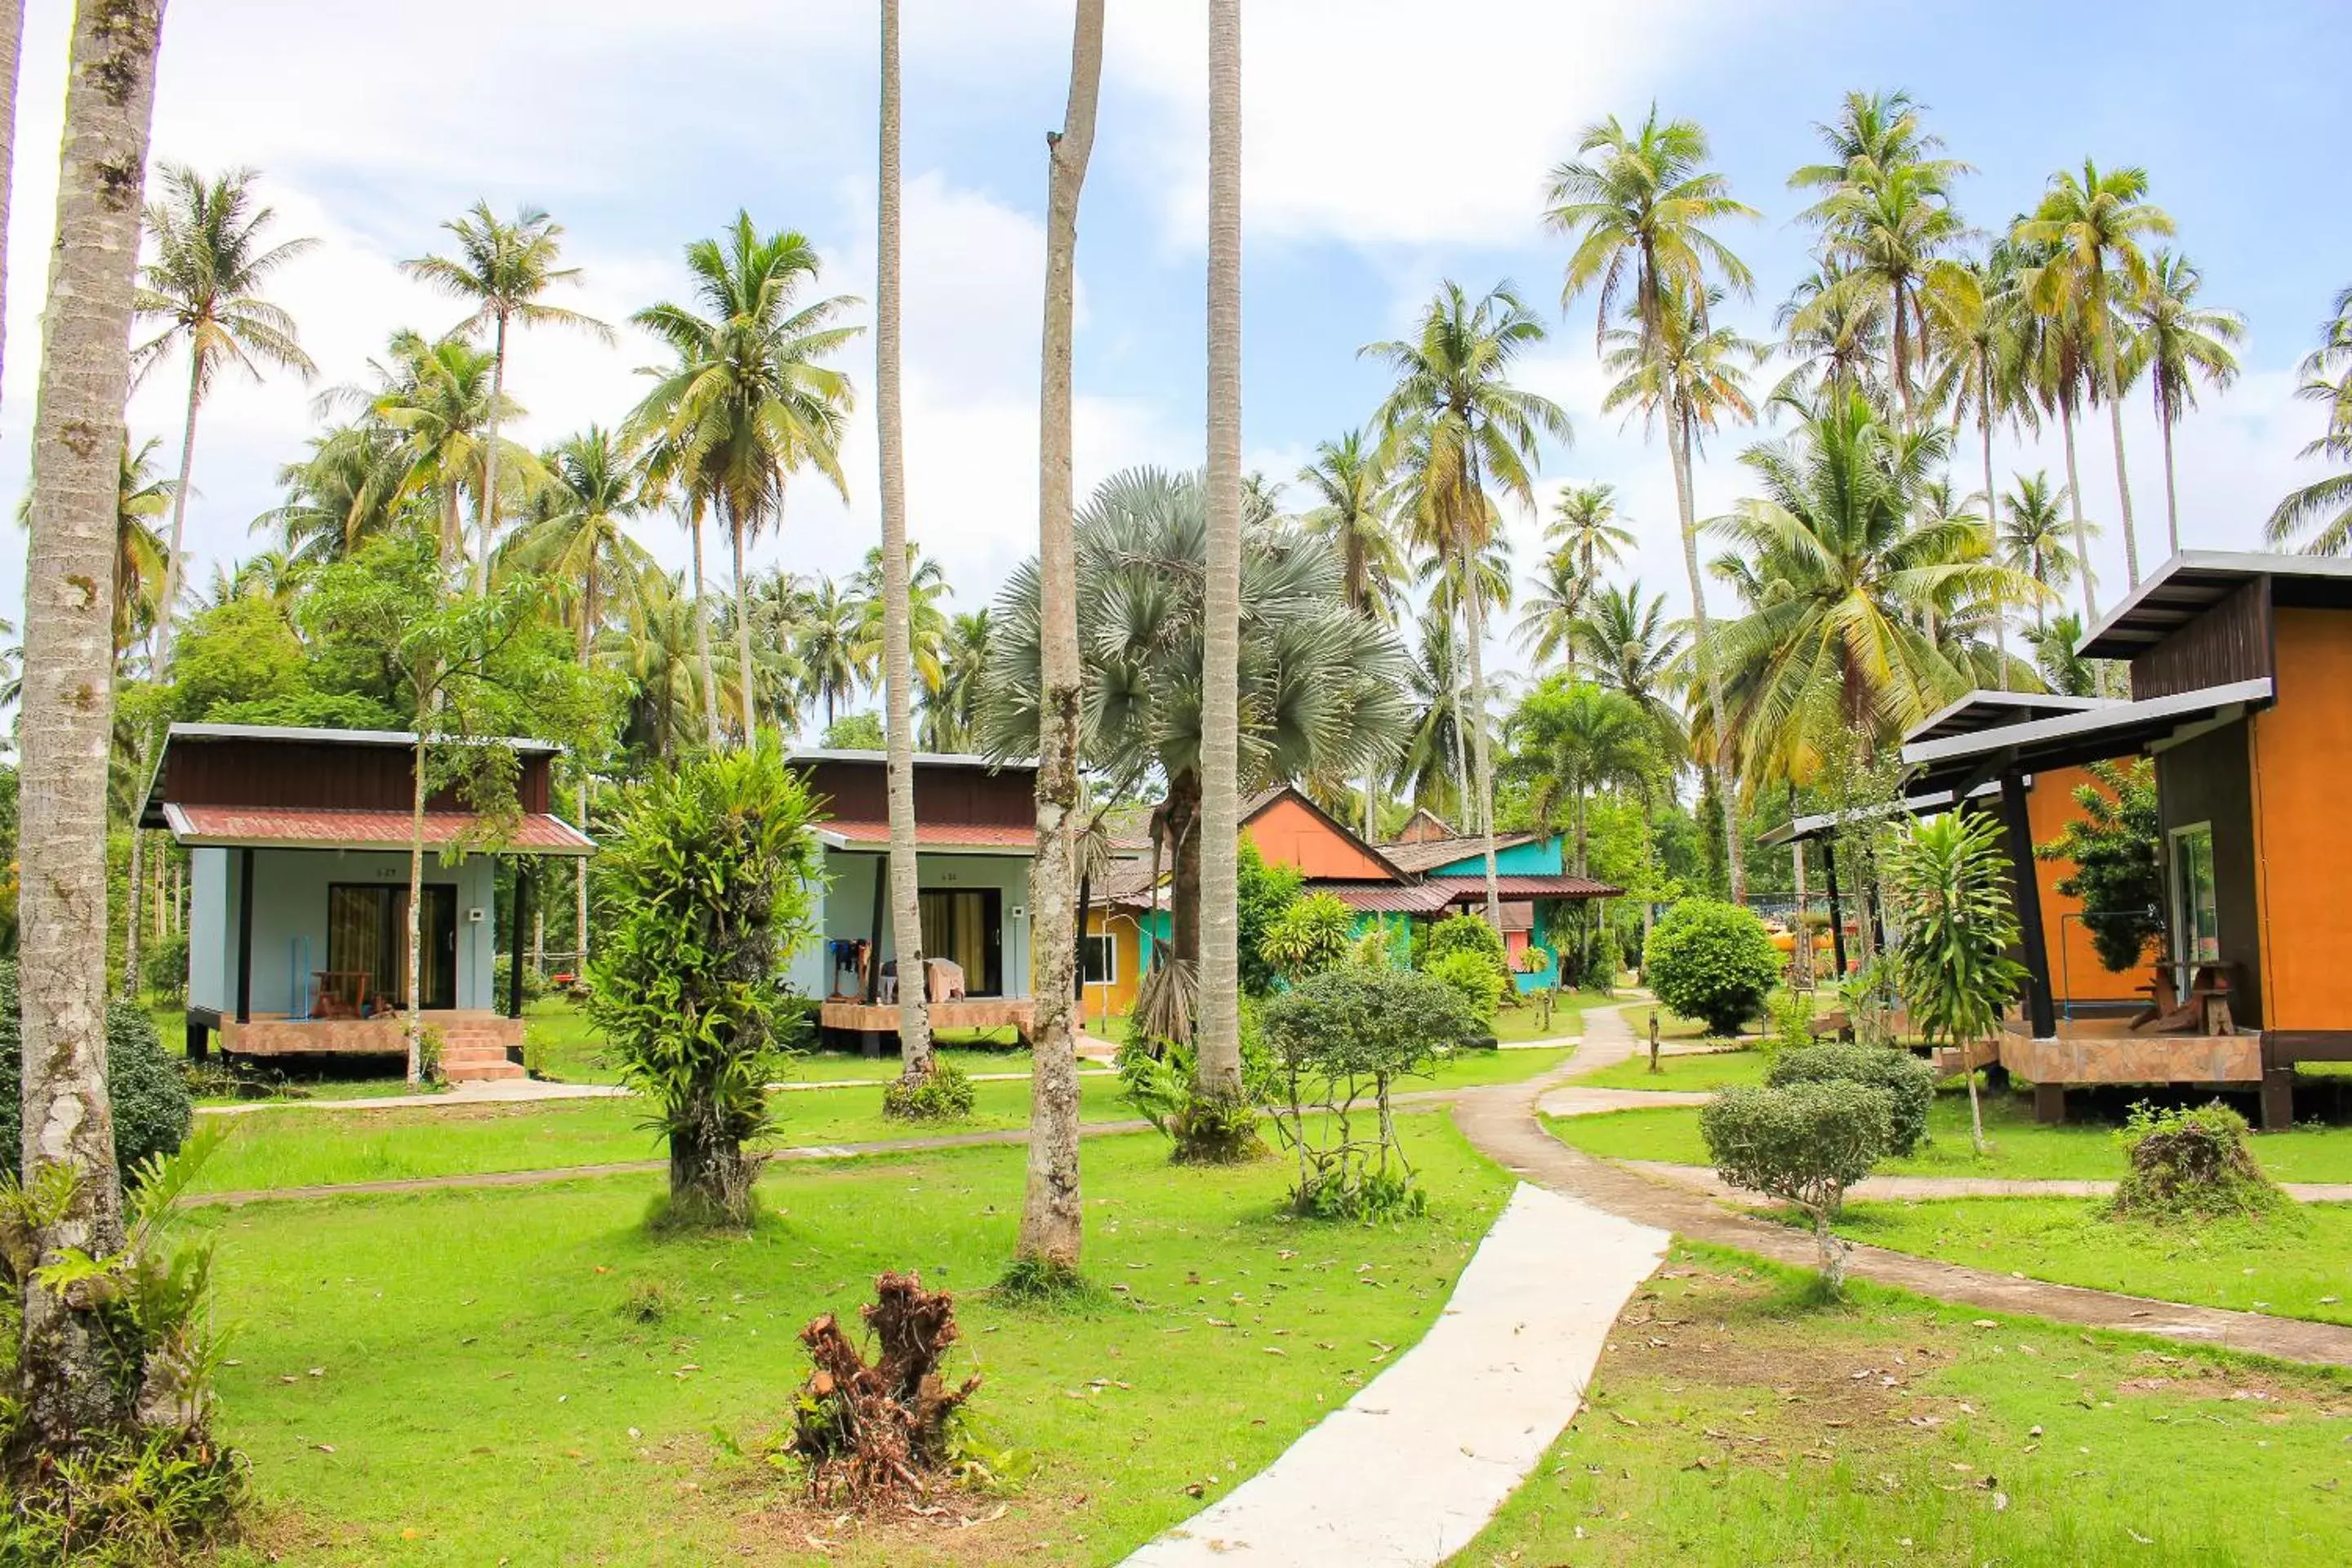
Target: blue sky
1387, 144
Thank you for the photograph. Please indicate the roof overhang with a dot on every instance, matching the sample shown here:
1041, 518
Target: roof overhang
1996, 710
874, 838
2194, 581
2096, 734
1923, 802
967, 760
308, 737
304, 827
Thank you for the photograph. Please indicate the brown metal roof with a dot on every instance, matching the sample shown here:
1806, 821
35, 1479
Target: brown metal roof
1387, 898
1428, 854
1473, 889
855, 833
300, 827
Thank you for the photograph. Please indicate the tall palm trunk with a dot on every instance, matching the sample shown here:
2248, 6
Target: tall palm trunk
159, 671
12, 40
1053, 1217
703, 630
2074, 507
580, 863
414, 937
485, 508
1992, 534
897, 612
1220, 1059
2163, 417
1703, 649
746, 680
1481, 761
68, 1395
2113, 377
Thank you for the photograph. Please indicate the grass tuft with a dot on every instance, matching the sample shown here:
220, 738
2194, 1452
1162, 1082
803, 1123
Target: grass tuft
1039, 1285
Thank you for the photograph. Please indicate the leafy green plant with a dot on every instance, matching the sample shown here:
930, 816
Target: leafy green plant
943, 1094
153, 1107
1310, 936
2116, 875
1159, 1080
430, 1045
1805, 1145
1336, 1039
2192, 1164
1908, 1083
1474, 979
1462, 933
1534, 960
1713, 962
1261, 894
706, 875
1792, 1017
164, 966
1949, 876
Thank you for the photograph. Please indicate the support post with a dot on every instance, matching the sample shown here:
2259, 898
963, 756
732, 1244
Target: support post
514, 938
2042, 1012
2049, 1103
2278, 1099
873, 951
244, 938
1837, 910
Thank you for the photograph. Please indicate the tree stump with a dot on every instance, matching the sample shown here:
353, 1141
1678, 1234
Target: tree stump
876, 1433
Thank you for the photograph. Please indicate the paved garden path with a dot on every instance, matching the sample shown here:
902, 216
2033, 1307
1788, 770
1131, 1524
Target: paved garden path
1501, 1121
1699, 1178
1413, 1466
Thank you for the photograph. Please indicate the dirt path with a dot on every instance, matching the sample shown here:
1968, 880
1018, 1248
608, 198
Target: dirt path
1501, 1122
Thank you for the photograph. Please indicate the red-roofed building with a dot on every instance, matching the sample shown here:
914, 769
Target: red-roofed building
298, 859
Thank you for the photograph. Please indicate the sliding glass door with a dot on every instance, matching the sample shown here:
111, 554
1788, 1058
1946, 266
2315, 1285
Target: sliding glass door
367, 937
967, 926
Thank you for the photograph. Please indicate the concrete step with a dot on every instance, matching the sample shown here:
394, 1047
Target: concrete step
481, 1073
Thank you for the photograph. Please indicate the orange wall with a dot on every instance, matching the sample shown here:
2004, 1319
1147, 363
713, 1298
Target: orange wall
1118, 996
1287, 834
2075, 973
2302, 812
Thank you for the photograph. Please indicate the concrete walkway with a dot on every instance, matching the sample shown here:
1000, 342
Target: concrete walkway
1407, 1471
1501, 1122
1700, 1179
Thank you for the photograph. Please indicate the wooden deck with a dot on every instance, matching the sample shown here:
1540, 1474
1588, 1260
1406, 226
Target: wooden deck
968, 1012
474, 1045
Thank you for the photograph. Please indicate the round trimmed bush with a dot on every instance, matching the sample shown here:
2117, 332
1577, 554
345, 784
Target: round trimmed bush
153, 1113
1713, 962
1475, 979
1462, 934
1909, 1083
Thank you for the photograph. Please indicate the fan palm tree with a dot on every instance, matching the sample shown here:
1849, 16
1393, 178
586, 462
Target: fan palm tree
1454, 408
1322, 688
2091, 229
2030, 541
746, 401
501, 270
2326, 502
1641, 206
1840, 580
1355, 507
2179, 343
1635, 650
203, 290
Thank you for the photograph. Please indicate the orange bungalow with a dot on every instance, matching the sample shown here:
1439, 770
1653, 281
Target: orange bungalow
2242, 690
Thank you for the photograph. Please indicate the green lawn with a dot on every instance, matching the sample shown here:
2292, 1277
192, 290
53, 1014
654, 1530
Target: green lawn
1695, 1074
1729, 1426
447, 1379
2299, 1266
2021, 1148
1521, 1023
1464, 1070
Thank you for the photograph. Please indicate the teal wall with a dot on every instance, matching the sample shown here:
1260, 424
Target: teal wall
1538, 857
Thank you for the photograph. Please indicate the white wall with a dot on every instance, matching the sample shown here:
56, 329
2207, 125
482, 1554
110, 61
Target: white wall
847, 909
289, 903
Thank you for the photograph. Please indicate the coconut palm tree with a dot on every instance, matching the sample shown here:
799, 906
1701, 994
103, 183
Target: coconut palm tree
1970, 314
1872, 133
746, 402
1842, 572
12, 41
2090, 230
348, 490
437, 400
1570, 739
1433, 767
1636, 651
2053, 370
1467, 428
2030, 541
951, 711
2177, 342
1641, 206
68, 1395
829, 647
2326, 502
927, 623
1835, 336
652, 646
1053, 1217
501, 270
1355, 507
1585, 535
142, 571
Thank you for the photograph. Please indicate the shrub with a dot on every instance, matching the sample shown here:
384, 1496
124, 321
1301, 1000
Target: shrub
647, 1301
943, 1094
1335, 1039
1792, 1022
1310, 936
1461, 933
1712, 962
1805, 1145
1160, 1082
2192, 1164
706, 872
164, 966
153, 1108
1534, 960
1908, 1082
1261, 892
1475, 980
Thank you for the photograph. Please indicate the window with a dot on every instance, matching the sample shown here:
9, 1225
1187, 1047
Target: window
1099, 953
967, 925
2195, 912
